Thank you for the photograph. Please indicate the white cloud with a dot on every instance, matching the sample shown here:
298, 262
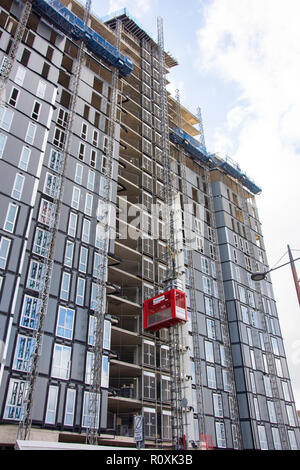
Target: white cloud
254, 45
136, 7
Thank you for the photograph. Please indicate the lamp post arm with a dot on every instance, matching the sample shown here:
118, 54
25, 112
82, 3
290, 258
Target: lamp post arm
294, 272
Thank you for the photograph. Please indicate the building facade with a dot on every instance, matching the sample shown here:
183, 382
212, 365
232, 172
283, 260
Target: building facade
234, 375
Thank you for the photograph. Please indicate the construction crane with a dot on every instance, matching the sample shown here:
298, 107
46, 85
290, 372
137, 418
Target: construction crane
53, 218
100, 309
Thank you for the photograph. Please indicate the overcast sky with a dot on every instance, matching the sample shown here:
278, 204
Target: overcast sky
239, 60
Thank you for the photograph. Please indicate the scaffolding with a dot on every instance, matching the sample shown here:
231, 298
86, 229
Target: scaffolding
53, 217
172, 275
192, 291
104, 225
11, 56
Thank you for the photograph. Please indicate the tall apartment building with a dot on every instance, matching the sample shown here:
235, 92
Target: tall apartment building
234, 379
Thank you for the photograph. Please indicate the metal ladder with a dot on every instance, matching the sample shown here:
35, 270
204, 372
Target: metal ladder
267, 340
171, 275
11, 56
54, 217
97, 348
192, 291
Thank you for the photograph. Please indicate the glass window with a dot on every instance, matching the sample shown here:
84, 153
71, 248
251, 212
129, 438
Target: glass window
59, 138
262, 437
227, 381
256, 408
286, 392
72, 224
106, 334
80, 291
46, 214
83, 259
78, 173
292, 439
55, 161
6, 117
86, 418
91, 180
88, 204
65, 286
41, 242
86, 224
18, 186
3, 139
218, 405
88, 367
23, 351
211, 377
268, 388
209, 351
207, 285
11, 215
30, 133
275, 345
61, 361
211, 329
75, 198
220, 433
272, 413
35, 275
252, 382
69, 250
51, 405
94, 291
20, 75
209, 306
276, 439
91, 334
41, 89
290, 414
70, 407
29, 314
24, 158
13, 407
105, 372
65, 322
36, 110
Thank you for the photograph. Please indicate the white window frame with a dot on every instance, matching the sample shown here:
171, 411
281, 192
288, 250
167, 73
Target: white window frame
24, 158
18, 187
61, 361
30, 133
65, 286
80, 291
65, 322
70, 407
11, 217
51, 409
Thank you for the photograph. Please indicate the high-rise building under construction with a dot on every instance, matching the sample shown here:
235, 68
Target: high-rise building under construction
110, 198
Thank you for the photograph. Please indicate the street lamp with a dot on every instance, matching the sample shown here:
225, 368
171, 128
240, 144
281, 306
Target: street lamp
260, 276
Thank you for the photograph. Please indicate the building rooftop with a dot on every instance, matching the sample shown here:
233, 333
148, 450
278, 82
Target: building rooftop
134, 28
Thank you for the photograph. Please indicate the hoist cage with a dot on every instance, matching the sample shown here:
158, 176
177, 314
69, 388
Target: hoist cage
165, 310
